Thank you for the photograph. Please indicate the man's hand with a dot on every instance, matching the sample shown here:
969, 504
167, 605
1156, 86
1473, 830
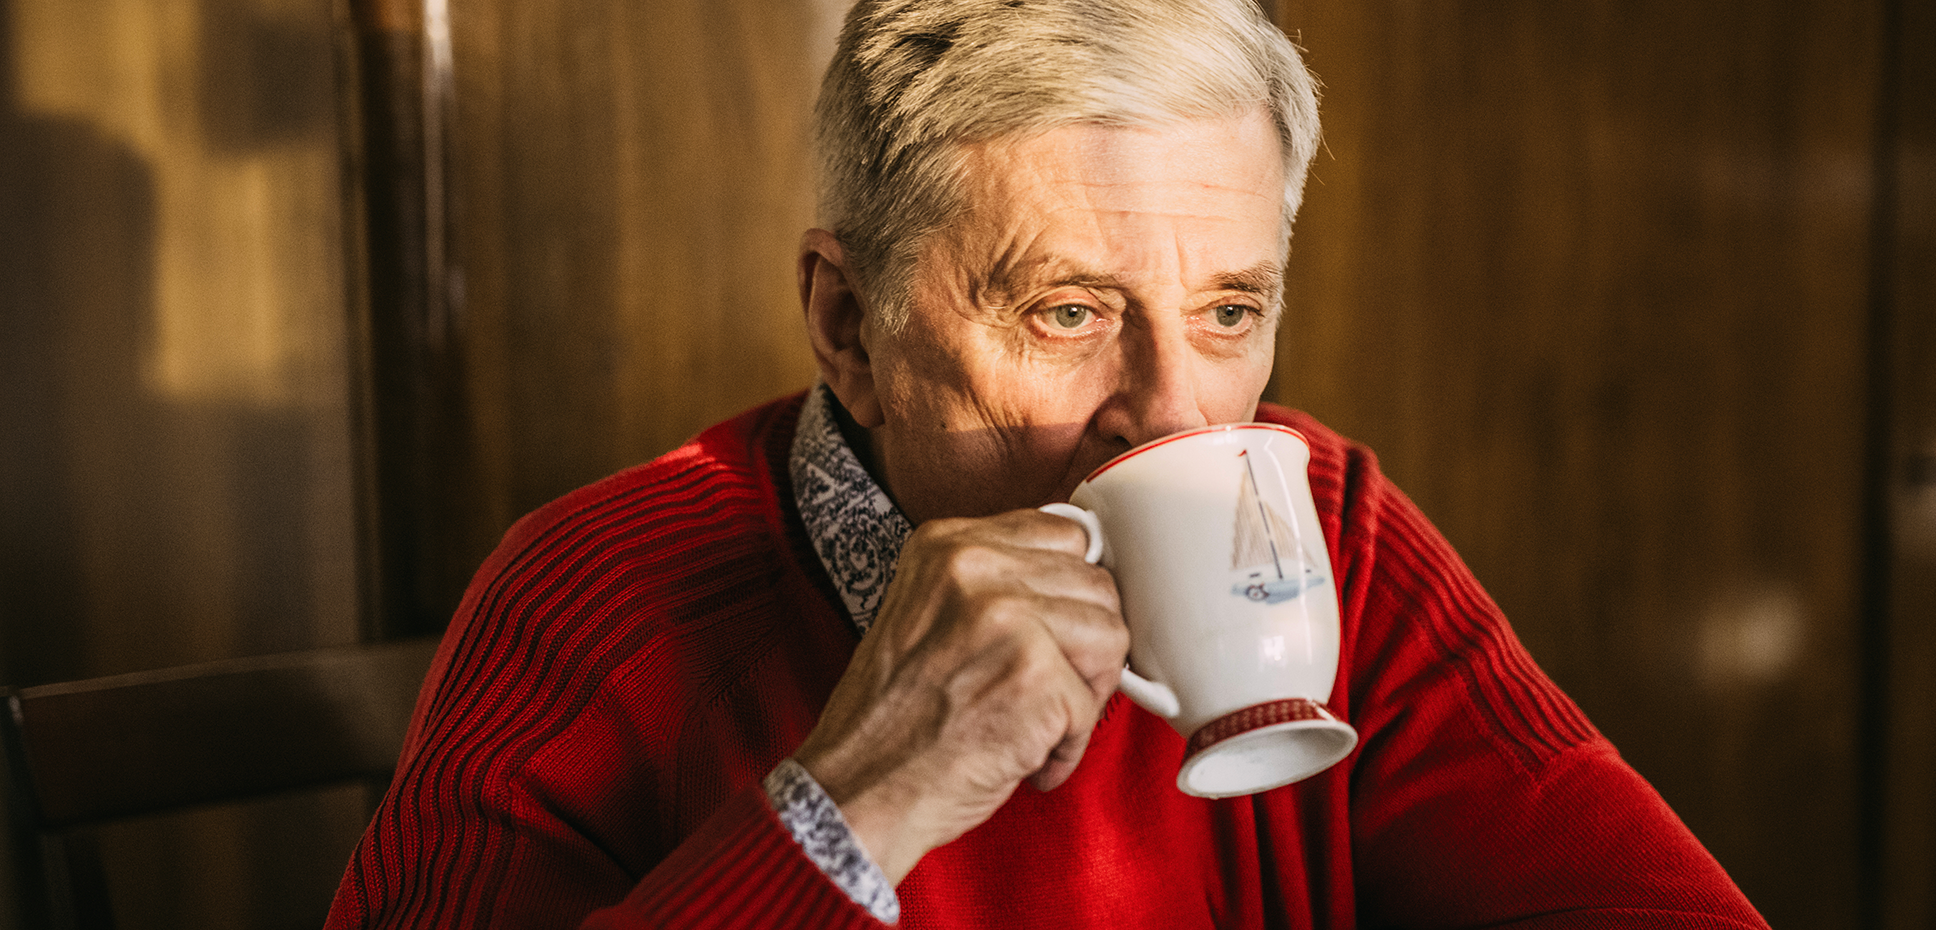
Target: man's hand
993, 653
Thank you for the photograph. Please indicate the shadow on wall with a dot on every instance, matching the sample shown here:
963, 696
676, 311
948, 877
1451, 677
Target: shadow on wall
177, 457
172, 491
76, 239
261, 90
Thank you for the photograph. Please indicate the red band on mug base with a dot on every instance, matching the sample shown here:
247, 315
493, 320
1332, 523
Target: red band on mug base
1256, 717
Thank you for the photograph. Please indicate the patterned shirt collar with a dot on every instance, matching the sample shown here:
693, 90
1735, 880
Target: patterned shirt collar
856, 530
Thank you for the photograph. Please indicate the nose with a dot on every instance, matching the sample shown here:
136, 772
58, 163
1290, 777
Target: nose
1156, 389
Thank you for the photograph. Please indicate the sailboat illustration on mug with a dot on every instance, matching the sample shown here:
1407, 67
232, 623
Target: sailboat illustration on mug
1264, 542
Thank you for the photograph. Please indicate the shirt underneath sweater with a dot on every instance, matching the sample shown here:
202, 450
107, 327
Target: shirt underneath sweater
636, 657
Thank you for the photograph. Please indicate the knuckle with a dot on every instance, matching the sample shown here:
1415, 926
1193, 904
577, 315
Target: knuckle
1038, 663
970, 560
1115, 630
1102, 586
999, 614
1039, 667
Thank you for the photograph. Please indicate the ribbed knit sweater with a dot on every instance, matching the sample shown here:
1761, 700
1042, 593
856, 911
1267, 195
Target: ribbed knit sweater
637, 655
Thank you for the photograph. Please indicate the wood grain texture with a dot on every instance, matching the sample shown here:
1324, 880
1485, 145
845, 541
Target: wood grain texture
607, 264
174, 440
1907, 885
630, 183
1593, 280
174, 475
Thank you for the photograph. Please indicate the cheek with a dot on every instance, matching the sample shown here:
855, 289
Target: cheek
1059, 394
916, 377
1230, 391
987, 382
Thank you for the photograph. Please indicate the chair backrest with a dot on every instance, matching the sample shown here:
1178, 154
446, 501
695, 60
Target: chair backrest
85, 753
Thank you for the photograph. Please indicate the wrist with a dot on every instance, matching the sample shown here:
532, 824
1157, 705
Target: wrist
881, 818
824, 836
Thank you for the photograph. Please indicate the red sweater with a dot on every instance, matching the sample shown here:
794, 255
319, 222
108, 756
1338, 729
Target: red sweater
637, 655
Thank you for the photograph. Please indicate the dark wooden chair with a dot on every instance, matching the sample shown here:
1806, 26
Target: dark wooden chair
86, 753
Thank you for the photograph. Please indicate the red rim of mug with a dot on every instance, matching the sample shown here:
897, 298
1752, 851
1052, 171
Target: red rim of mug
1173, 437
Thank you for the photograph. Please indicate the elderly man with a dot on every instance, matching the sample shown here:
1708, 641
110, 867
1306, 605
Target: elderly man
826, 666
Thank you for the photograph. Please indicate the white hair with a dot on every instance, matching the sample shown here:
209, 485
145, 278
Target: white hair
914, 81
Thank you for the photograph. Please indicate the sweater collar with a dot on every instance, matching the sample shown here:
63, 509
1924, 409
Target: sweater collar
855, 529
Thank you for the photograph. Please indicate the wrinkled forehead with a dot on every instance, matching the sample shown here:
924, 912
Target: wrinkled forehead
1094, 186
1129, 162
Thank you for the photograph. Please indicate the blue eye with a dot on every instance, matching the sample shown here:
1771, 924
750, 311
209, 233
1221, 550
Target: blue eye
1230, 315
1069, 316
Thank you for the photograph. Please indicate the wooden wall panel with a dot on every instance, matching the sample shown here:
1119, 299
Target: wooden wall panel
174, 438
1906, 887
1593, 279
174, 477
629, 183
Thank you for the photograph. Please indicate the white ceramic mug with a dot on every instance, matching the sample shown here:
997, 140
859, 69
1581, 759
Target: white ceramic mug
1228, 591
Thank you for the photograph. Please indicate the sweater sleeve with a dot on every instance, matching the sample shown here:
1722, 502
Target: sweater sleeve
565, 835
742, 869
621, 673
1481, 796
815, 822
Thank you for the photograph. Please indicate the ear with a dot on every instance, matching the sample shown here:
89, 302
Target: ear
834, 315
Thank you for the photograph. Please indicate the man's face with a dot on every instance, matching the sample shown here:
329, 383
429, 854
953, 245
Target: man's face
1106, 286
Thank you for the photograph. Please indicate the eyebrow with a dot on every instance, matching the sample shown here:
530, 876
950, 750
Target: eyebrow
1265, 278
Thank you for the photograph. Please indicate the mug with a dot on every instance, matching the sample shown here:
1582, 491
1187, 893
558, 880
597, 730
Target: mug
1228, 591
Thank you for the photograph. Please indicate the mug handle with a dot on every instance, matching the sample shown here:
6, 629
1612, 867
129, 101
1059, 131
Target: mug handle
1155, 697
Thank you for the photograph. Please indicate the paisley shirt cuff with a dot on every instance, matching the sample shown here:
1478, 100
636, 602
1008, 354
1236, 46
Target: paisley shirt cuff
815, 822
